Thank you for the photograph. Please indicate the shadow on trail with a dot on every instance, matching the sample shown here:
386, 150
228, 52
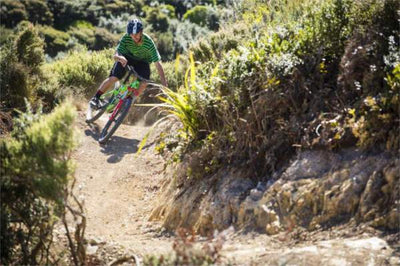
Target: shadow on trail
94, 131
117, 147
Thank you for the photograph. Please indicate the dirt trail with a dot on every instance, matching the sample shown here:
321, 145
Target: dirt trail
119, 189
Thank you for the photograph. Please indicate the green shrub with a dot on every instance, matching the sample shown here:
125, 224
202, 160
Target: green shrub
29, 47
181, 7
92, 37
103, 39
115, 24
66, 13
376, 124
82, 24
374, 120
20, 67
12, 13
81, 71
38, 11
48, 93
165, 45
56, 40
168, 10
186, 33
214, 45
36, 165
84, 35
204, 16
13, 81
5, 35
122, 6
157, 19
327, 30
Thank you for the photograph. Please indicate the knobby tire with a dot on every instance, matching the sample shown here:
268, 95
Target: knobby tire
99, 112
116, 122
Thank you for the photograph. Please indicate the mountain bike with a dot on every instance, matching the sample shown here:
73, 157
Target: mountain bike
117, 102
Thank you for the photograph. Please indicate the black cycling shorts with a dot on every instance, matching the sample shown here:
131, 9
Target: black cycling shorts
142, 68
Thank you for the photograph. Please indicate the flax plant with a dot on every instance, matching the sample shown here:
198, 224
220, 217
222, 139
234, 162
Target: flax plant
179, 105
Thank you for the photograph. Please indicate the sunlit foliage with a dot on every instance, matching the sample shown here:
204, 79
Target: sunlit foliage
36, 165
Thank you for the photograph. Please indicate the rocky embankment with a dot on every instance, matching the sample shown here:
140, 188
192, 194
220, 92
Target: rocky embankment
316, 191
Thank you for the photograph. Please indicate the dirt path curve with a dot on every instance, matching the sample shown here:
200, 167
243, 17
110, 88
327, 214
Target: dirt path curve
118, 187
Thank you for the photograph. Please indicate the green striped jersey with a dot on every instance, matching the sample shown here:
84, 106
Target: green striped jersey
146, 51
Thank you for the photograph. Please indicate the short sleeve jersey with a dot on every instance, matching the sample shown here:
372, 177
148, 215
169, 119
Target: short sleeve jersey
146, 51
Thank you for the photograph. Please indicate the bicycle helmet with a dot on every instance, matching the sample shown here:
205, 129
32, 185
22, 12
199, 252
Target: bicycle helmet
134, 26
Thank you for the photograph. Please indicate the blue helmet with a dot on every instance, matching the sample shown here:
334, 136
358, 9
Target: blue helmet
134, 26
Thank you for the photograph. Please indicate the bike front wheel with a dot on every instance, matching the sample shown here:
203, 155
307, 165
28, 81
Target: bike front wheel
115, 120
94, 114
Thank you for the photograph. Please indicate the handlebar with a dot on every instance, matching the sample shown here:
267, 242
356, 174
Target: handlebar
140, 78
133, 71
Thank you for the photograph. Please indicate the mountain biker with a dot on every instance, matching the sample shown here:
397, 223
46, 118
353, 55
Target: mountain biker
137, 49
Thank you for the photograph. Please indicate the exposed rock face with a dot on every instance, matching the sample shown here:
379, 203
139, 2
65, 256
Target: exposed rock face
204, 205
317, 189
349, 185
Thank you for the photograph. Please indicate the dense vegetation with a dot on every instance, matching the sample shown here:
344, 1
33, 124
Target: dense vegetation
291, 75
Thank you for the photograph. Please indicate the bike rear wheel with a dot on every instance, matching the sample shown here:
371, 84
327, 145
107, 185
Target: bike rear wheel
112, 124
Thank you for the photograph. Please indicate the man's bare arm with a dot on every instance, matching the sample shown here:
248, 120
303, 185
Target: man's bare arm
161, 73
120, 58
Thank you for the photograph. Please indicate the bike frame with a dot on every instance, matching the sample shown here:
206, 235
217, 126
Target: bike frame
121, 101
125, 91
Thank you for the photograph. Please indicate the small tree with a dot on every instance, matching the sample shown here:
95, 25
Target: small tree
36, 165
29, 47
